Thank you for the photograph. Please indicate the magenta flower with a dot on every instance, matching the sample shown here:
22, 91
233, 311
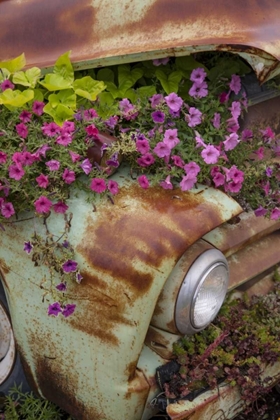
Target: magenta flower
7, 84
146, 160
166, 184
158, 116
92, 131
232, 125
69, 266
53, 165
235, 109
64, 139
28, 247
193, 118
224, 97
38, 107
260, 211
27, 159
178, 161
125, 105
159, 61
86, 166
170, 138
69, 309
3, 157
42, 181
218, 179
235, 84
68, 127
143, 182
51, 129
231, 141
22, 130
16, 172
42, 151
246, 134
268, 134
192, 169
199, 140
113, 187
162, 149
142, 146
234, 187
260, 153
60, 207
7, 210
74, 156
89, 114
43, 204
199, 90
188, 182
217, 120
111, 122
198, 75
25, 116
68, 176
275, 214
174, 102
210, 154
61, 287
235, 174
156, 100
98, 185
54, 309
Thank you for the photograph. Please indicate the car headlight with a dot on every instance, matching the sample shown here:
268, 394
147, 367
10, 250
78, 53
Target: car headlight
202, 292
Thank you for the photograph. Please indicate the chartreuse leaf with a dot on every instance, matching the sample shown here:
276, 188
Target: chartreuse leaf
88, 88
64, 97
16, 98
4, 75
170, 83
125, 75
146, 91
63, 67
54, 82
107, 106
38, 95
28, 77
60, 113
14, 65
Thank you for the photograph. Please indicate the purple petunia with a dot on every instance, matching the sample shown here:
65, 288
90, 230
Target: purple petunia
69, 266
68, 309
27, 247
54, 309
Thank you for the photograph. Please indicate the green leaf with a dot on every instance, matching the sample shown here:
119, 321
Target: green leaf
171, 82
146, 91
16, 98
14, 65
54, 82
125, 74
106, 75
63, 67
38, 95
27, 78
60, 114
4, 74
187, 64
64, 97
88, 88
131, 95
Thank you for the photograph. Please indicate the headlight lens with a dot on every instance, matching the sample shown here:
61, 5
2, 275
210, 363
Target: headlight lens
202, 292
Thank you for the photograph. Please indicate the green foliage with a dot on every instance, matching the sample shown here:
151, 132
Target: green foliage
19, 405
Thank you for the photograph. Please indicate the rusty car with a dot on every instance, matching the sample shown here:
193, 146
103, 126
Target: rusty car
144, 260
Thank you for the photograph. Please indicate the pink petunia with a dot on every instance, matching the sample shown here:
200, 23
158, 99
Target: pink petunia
194, 116
7, 84
199, 140
178, 161
235, 84
199, 90
142, 146
98, 185
210, 154
166, 184
92, 131
146, 160
234, 187
38, 108
170, 138
69, 309
160, 61
7, 210
3, 157
218, 179
86, 166
143, 182
16, 172
174, 102
50, 129
260, 211
25, 116
217, 120
231, 141
27, 159
275, 214
188, 182
162, 149
53, 165
42, 205
192, 169
156, 100
22, 130
68, 176
260, 153
89, 114
198, 75
74, 156
42, 181
232, 125
64, 139
113, 187
60, 207
235, 109
68, 127
234, 174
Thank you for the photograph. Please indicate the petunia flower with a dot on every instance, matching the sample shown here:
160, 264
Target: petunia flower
146, 160
174, 101
86, 166
142, 146
260, 211
28, 247
188, 182
38, 108
25, 116
3, 157
68, 127
231, 141
192, 168
74, 156
166, 184
235, 109
216, 120
60, 207
170, 138
68, 310
53, 165
7, 84
218, 179
7, 210
178, 161
260, 153
199, 90
54, 309
61, 287
64, 139
16, 172
210, 154
113, 187
275, 214
68, 176
235, 84
50, 129
194, 116
156, 100
98, 185
143, 182
69, 266
79, 277
198, 75
42, 205
162, 149
158, 116
42, 181
159, 61
22, 130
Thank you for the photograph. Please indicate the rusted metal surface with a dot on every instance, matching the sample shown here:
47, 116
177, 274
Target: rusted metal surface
241, 231
161, 342
223, 404
102, 32
126, 251
260, 285
253, 260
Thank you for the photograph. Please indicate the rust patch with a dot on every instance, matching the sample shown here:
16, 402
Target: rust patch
4, 266
52, 27
27, 371
61, 390
102, 309
130, 370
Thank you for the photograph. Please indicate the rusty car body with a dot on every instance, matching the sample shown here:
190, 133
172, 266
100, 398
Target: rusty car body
101, 363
